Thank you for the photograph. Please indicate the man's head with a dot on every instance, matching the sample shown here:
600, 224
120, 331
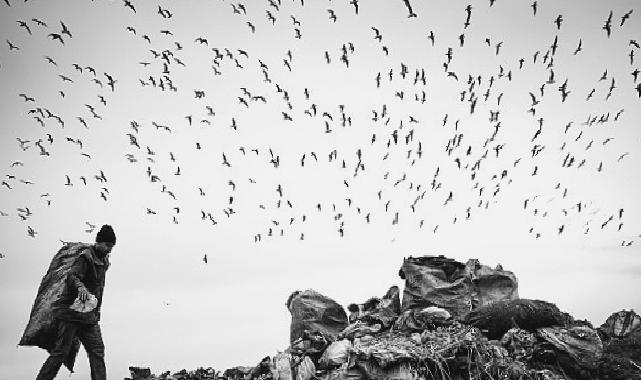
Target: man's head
105, 239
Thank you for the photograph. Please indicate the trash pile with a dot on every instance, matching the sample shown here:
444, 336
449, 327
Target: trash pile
144, 373
455, 321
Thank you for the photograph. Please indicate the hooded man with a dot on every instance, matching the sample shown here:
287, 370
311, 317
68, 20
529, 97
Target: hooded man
85, 281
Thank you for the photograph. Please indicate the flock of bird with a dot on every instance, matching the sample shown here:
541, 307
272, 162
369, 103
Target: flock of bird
470, 175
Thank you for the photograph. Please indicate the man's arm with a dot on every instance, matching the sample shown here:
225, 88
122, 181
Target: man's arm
76, 275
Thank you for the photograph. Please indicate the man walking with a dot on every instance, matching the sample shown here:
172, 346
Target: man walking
85, 280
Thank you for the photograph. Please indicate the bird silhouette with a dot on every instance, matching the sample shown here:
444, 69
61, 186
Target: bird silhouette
607, 26
39, 22
110, 81
626, 16
409, 9
128, 4
24, 25
65, 30
332, 15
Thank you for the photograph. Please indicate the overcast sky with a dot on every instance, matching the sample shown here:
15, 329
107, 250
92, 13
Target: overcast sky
530, 181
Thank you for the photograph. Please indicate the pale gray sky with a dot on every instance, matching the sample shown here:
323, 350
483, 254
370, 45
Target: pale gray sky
164, 307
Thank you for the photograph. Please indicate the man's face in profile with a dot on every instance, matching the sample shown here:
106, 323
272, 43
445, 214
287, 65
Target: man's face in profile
103, 248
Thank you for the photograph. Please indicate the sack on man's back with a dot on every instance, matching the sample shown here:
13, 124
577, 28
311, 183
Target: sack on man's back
41, 330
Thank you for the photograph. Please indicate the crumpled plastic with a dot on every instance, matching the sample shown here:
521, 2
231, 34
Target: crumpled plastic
360, 329
336, 354
305, 369
84, 307
519, 343
282, 366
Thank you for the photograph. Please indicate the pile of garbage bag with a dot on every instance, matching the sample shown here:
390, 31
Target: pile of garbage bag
456, 321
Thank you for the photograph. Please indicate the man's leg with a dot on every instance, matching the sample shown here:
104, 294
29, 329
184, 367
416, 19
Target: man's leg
66, 335
91, 339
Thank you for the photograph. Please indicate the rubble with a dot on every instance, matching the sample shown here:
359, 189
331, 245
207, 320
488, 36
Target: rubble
519, 343
457, 321
140, 373
304, 368
263, 370
283, 366
576, 350
421, 319
359, 329
336, 354
383, 311
144, 373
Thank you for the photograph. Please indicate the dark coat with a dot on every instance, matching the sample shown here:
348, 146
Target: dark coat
87, 271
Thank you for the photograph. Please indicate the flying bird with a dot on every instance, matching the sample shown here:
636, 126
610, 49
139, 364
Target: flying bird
332, 14
129, 5
409, 9
39, 22
65, 30
12, 46
24, 25
91, 228
578, 48
165, 13
27, 98
56, 36
626, 16
608, 25
431, 37
111, 81
355, 4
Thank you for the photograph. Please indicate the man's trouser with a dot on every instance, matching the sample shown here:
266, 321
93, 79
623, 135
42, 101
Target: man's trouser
91, 339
